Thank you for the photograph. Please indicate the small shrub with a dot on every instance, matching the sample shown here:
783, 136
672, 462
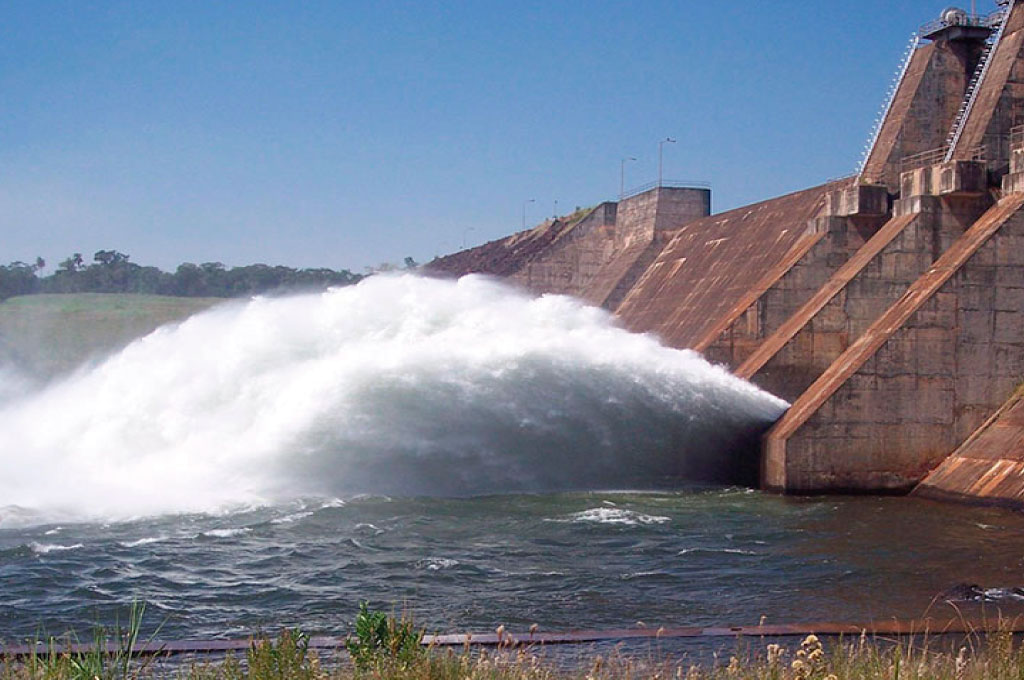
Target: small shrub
383, 641
289, 658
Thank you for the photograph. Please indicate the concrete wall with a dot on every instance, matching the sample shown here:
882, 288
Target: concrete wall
829, 332
914, 386
999, 104
715, 268
924, 107
640, 216
877, 283
614, 242
589, 258
502, 257
938, 98
575, 258
989, 466
633, 266
840, 240
678, 206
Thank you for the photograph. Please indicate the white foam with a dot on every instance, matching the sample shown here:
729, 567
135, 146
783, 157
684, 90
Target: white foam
608, 515
727, 551
641, 574
294, 517
14, 384
398, 385
45, 548
438, 564
142, 541
226, 533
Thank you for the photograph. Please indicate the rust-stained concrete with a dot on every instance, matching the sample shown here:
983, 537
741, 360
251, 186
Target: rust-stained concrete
999, 103
799, 344
507, 256
588, 256
989, 466
887, 149
825, 294
621, 271
852, 215
923, 107
921, 378
889, 308
716, 267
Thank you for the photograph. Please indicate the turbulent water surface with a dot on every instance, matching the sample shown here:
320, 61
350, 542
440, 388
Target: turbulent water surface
577, 560
438, 446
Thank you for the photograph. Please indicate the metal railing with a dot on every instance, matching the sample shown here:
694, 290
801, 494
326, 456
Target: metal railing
936, 156
979, 153
997, 148
890, 97
976, 20
922, 160
1017, 137
666, 184
841, 178
975, 86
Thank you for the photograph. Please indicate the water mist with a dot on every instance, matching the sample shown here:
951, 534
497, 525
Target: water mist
398, 385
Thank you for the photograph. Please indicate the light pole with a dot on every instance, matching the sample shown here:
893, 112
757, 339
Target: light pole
530, 200
622, 175
661, 146
554, 213
465, 232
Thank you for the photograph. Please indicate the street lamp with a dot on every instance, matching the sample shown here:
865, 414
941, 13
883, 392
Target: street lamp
622, 175
661, 146
531, 200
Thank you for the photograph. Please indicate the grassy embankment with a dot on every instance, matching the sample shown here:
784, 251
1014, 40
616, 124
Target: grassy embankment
386, 648
288, 658
45, 335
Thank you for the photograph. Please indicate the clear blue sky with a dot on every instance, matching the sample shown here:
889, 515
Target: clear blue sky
344, 134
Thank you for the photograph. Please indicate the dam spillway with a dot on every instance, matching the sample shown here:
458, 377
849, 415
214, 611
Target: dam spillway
399, 385
887, 306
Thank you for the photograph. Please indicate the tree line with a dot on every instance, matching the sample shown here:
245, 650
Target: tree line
112, 272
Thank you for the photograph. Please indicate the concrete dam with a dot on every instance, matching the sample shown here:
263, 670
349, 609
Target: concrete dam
887, 307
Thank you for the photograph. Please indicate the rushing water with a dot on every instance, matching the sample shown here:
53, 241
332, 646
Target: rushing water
435, 446
563, 561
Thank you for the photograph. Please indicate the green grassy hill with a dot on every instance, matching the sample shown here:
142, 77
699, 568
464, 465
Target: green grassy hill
44, 335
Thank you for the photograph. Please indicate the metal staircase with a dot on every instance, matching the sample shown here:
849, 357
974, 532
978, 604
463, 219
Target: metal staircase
974, 86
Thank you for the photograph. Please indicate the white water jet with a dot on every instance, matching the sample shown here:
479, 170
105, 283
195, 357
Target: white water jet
397, 385
13, 384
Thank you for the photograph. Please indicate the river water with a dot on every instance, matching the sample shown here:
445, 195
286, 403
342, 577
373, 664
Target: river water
562, 561
439, 447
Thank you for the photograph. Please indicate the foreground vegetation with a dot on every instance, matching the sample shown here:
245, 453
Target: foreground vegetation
388, 648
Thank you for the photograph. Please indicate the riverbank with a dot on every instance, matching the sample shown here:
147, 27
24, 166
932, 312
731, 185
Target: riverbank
988, 656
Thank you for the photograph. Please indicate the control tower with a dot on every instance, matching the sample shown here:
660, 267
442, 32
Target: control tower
944, 65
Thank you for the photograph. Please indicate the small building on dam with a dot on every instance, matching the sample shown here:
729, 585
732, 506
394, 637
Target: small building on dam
887, 307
